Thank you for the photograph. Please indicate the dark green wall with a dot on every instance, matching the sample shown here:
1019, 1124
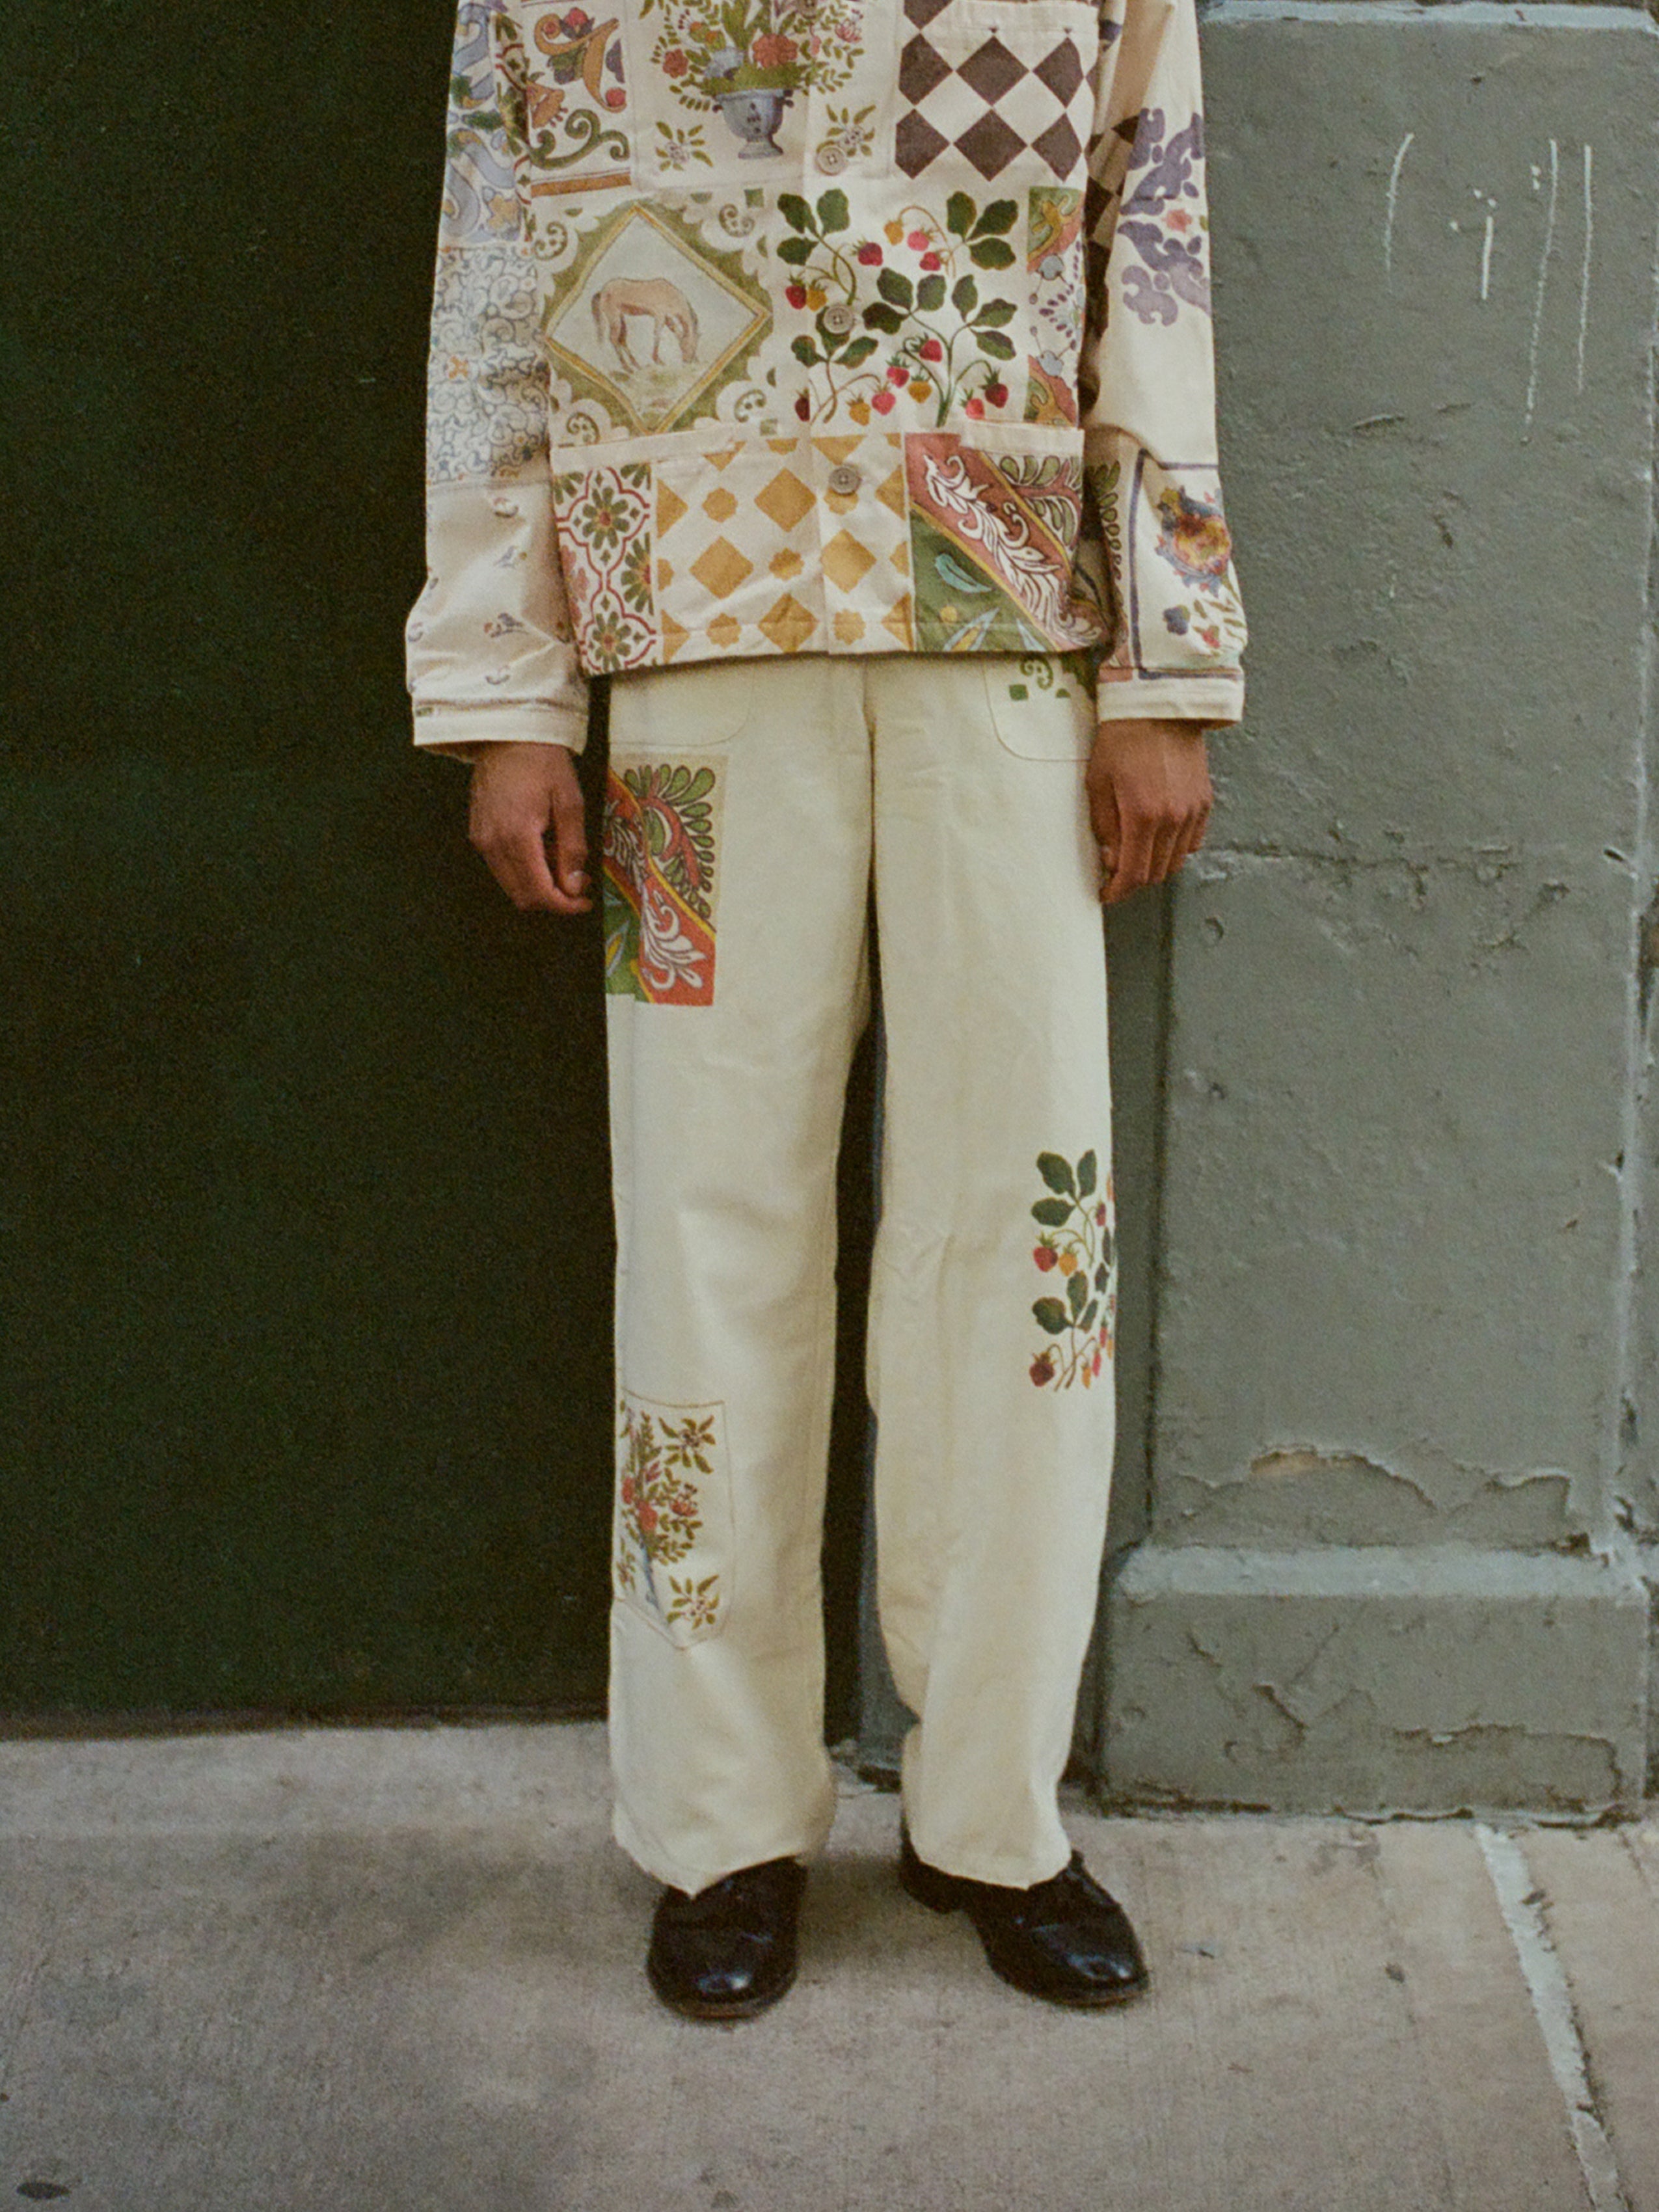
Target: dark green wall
305, 1216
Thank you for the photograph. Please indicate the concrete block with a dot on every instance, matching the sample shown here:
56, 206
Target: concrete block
1435, 249
1376, 1681
1390, 1303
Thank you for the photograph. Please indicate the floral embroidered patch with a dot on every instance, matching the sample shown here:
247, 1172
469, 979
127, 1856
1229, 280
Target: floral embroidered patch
481, 193
672, 1547
603, 517
1162, 223
1076, 1245
991, 542
564, 101
661, 838
745, 63
1171, 561
902, 320
1054, 261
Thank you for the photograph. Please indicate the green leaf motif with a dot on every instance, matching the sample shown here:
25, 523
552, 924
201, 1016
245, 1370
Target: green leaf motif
1056, 1173
965, 298
895, 290
1103, 1276
805, 352
1086, 1168
991, 253
1077, 1294
998, 218
832, 211
1052, 1317
795, 252
1051, 1213
994, 343
1090, 1311
930, 294
860, 350
994, 312
879, 318
959, 213
795, 212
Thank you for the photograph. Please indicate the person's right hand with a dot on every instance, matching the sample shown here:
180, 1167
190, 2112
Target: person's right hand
522, 795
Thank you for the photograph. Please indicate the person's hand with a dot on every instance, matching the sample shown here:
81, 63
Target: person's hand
522, 795
1149, 800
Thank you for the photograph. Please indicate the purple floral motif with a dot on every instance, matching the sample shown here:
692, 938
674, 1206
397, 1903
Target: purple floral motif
1166, 171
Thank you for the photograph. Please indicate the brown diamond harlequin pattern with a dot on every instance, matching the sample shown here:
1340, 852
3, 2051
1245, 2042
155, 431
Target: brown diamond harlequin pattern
989, 104
991, 70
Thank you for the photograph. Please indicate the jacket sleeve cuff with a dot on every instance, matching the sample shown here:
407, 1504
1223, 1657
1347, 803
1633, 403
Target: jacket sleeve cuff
1125, 697
460, 730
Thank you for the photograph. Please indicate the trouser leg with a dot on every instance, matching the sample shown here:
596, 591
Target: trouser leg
737, 862
991, 1327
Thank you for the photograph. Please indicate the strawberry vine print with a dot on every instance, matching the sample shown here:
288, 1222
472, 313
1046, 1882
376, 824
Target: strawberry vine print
1076, 1245
902, 318
660, 1515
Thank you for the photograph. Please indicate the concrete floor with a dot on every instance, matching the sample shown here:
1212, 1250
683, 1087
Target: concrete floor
384, 1971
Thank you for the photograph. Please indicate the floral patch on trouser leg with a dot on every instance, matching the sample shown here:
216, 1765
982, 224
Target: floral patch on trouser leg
673, 1524
661, 870
1077, 1245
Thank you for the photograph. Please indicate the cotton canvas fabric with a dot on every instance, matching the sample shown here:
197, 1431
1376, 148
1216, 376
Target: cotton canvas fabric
839, 327
750, 811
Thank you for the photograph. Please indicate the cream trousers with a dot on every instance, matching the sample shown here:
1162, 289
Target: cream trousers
750, 808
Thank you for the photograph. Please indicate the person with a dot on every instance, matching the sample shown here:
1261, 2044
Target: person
836, 377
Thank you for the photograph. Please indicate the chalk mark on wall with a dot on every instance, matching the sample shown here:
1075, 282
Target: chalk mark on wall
1543, 277
1590, 249
1405, 145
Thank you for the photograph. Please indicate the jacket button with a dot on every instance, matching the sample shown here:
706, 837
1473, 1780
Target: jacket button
839, 318
844, 481
831, 158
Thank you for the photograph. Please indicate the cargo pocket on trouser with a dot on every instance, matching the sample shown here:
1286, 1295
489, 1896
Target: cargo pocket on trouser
671, 1561
1042, 705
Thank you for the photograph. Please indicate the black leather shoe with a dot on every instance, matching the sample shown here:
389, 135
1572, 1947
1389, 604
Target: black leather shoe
1064, 1939
729, 1951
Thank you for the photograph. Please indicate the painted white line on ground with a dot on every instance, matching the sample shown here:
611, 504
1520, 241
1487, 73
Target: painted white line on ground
1552, 2003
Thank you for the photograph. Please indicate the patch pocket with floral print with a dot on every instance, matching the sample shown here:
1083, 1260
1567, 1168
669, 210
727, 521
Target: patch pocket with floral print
671, 1560
661, 878
1042, 705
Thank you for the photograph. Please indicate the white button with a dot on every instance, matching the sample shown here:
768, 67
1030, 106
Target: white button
844, 481
839, 318
831, 158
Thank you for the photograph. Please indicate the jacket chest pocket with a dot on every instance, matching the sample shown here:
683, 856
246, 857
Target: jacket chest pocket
999, 87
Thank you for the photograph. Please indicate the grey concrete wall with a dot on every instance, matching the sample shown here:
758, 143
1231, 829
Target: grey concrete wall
1398, 1480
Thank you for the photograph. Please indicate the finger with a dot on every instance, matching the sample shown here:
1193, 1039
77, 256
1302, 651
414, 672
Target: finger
1134, 857
519, 864
1193, 836
570, 851
1166, 846
1103, 819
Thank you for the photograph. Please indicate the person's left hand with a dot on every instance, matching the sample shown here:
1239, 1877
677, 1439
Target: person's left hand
1149, 799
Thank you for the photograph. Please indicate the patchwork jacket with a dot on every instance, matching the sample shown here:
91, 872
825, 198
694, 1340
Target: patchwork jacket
843, 326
